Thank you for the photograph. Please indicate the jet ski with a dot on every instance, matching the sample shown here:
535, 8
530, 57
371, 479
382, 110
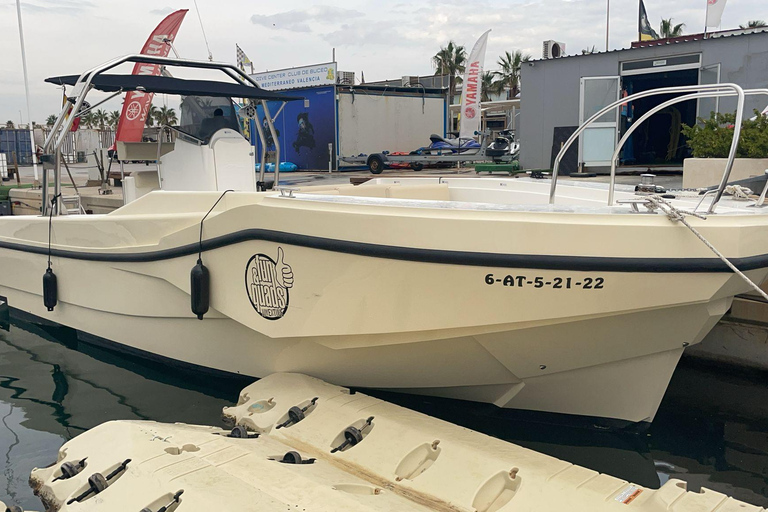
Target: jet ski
503, 144
462, 146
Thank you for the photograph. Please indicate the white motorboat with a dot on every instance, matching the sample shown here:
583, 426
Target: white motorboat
506, 291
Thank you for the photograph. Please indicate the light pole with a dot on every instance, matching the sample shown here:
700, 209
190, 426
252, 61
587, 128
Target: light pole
607, 21
26, 90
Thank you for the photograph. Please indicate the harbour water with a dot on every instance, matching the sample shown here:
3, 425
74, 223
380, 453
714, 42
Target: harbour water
711, 430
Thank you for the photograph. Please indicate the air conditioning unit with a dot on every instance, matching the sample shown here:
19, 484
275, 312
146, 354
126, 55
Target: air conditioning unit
410, 81
346, 78
553, 50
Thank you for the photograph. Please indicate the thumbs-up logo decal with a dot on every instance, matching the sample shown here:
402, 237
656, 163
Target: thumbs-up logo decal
267, 282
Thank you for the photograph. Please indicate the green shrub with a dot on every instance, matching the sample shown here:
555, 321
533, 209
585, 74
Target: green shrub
712, 137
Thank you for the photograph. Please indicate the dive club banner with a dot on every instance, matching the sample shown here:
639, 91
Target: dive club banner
304, 128
295, 78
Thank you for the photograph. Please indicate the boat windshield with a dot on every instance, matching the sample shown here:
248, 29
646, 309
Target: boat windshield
202, 116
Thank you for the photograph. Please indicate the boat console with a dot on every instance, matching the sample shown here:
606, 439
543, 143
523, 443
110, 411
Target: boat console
210, 152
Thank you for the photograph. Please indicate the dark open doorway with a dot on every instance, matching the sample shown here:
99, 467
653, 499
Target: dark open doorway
658, 141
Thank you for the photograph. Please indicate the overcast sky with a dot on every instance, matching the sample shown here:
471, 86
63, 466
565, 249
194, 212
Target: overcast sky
386, 39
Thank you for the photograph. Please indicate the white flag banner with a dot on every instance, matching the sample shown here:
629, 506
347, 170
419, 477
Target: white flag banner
472, 89
715, 12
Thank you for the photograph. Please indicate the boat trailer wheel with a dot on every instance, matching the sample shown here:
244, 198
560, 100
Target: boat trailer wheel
375, 164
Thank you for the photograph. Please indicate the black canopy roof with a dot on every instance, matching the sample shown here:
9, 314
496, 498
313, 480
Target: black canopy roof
172, 85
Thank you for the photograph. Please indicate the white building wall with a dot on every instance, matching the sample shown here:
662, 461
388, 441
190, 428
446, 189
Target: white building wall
375, 123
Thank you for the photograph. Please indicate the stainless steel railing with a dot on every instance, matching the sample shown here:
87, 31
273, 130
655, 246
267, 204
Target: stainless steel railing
658, 108
66, 117
737, 91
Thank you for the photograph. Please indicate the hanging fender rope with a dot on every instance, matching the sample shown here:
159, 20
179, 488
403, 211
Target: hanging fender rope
678, 215
54, 200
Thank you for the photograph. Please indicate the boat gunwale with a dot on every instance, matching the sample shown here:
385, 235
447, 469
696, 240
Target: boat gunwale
420, 255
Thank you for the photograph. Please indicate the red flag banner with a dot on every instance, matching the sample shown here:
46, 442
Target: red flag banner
76, 122
136, 105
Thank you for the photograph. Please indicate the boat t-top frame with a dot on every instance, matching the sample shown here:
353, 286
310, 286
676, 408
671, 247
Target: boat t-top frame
244, 87
696, 92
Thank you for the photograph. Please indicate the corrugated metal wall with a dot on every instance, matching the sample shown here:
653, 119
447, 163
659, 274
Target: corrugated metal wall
550, 88
16, 141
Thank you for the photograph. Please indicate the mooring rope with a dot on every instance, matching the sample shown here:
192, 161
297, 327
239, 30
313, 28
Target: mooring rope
678, 215
738, 192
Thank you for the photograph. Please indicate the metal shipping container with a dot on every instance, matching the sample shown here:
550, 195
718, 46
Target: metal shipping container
19, 141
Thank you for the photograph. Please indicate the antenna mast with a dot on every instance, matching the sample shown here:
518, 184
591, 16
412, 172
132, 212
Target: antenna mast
197, 9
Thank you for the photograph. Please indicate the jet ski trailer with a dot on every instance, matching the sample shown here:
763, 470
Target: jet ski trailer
377, 162
301, 444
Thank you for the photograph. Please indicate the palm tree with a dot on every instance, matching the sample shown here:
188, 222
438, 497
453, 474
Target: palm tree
88, 119
489, 85
51, 120
666, 29
100, 118
151, 114
753, 24
165, 116
450, 61
509, 76
9, 124
114, 118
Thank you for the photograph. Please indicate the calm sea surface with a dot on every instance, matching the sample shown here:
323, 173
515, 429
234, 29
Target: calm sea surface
711, 430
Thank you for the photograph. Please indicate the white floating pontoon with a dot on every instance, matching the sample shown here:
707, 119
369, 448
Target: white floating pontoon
301, 444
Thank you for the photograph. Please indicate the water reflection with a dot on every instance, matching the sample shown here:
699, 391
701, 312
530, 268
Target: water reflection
710, 431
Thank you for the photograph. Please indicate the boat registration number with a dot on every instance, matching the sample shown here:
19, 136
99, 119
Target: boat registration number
557, 283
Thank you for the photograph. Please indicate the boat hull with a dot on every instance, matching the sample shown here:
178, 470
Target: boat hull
614, 364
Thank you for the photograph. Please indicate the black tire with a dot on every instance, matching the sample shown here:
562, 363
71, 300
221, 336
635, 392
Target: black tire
375, 164
417, 166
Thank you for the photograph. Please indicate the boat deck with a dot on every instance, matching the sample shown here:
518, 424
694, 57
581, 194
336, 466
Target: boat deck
507, 194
